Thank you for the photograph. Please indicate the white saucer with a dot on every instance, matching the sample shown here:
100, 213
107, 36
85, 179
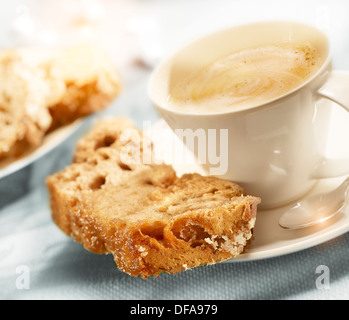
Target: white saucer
269, 239
50, 142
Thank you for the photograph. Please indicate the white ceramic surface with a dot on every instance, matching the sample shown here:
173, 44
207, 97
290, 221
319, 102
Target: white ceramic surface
272, 148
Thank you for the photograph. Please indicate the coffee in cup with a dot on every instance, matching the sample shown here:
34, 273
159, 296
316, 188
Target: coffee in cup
246, 78
269, 107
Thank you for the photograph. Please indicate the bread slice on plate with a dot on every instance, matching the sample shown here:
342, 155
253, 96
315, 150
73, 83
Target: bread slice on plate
150, 220
42, 89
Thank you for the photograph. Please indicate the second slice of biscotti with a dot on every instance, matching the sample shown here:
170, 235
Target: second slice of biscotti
42, 89
150, 220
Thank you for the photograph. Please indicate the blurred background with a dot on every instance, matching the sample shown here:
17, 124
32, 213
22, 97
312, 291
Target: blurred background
153, 28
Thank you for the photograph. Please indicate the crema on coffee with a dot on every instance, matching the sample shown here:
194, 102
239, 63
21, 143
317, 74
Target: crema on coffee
246, 78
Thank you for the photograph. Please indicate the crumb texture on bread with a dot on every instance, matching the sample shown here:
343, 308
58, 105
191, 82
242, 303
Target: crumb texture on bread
43, 89
150, 220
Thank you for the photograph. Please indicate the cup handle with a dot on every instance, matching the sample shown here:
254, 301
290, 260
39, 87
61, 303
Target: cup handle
335, 89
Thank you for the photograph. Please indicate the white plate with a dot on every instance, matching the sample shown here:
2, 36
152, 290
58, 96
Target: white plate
50, 142
269, 239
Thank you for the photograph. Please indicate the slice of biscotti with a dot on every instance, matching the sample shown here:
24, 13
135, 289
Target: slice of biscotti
90, 80
151, 220
42, 89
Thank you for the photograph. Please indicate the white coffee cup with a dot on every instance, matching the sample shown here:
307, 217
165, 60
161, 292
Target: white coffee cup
272, 147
